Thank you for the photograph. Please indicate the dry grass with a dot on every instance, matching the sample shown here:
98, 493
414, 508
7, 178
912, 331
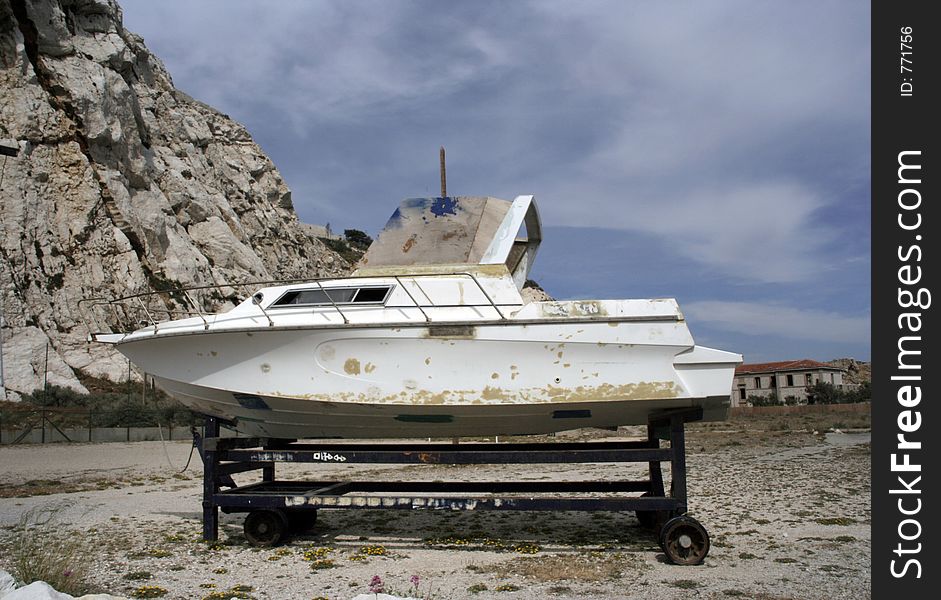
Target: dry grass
40, 548
45, 487
806, 419
762, 430
585, 567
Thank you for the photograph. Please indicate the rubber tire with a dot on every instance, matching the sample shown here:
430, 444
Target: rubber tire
684, 541
266, 527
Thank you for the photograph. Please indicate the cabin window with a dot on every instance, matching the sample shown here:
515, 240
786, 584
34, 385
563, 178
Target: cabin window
370, 295
331, 296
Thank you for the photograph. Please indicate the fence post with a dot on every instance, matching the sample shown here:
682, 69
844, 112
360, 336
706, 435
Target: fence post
91, 412
42, 414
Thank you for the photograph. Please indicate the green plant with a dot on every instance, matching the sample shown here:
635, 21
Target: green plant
109, 406
373, 550
357, 239
756, 400
685, 584
42, 549
149, 591
823, 392
843, 521
228, 595
347, 253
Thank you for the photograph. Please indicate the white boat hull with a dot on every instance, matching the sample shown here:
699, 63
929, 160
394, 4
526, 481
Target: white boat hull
480, 379
429, 337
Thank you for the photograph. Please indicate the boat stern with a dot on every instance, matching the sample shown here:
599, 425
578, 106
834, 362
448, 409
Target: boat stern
708, 374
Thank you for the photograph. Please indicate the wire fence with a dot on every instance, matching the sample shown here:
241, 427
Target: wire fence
39, 424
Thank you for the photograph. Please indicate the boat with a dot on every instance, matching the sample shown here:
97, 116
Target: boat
431, 336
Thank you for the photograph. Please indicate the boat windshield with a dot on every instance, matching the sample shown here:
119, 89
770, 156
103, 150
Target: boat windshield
331, 296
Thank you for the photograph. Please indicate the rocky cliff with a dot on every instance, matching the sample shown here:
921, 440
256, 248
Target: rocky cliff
122, 183
857, 372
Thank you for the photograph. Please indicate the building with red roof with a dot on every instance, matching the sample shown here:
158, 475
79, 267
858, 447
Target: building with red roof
783, 380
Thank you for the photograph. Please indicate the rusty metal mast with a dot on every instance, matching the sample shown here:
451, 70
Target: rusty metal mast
444, 177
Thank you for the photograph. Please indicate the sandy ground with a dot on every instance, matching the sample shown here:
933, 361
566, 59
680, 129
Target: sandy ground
788, 512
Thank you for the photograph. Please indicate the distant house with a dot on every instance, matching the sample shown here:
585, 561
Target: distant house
782, 380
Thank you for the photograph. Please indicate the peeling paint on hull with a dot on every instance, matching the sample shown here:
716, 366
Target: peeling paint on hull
304, 418
414, 385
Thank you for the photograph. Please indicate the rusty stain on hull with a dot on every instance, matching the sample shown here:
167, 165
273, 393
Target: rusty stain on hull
550, 394
351, 366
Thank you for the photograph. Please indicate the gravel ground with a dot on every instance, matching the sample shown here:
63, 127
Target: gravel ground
788, 511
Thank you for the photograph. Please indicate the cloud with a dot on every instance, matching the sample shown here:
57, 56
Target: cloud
737, 131
781, 321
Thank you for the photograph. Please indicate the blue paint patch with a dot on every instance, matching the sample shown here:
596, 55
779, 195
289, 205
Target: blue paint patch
444, 206
251, 401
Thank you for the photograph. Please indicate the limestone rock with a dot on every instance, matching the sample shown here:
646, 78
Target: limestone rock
40, 590
122, 184
856, 371
533, 292
7, 584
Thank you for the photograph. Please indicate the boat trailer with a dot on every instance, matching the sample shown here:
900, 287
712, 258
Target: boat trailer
276, 507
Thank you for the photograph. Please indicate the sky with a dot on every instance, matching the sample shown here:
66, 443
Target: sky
715, 152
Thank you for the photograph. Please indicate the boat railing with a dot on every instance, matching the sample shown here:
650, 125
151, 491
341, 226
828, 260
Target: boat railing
190, 306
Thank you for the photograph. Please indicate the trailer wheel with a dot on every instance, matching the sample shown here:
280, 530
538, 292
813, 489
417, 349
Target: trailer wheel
684, 540
265, 527
302, 520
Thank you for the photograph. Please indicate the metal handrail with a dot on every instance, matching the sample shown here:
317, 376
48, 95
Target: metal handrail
196, 306
149, 316
332, 301
412, 298
138, 297
486, 295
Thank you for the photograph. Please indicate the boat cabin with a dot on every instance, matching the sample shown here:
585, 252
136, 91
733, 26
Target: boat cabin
457, 234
